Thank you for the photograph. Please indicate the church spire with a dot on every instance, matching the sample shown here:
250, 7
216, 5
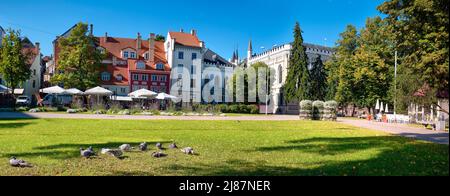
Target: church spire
250, 50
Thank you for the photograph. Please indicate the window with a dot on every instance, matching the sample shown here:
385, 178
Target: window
163, 78
125, 54
34, 72
160, 66
146, 56
34, 83
135, 77
194, 56
119, 77
180, 55
106, 76
122, 90
133, 55
280, 74
154, 89
144, 77
192, 69
180, 68
154, 78
140, 65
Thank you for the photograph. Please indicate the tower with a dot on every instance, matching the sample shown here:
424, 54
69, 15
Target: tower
250, 50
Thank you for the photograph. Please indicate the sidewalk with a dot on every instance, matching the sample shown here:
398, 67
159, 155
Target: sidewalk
439, 137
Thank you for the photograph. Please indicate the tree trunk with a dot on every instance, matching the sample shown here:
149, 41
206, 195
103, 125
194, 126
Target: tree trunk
353, 110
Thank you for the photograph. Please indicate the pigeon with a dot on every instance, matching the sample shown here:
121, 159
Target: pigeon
188, 151
173, 146
87, 153
159, 146
125, 147
18, 163
158, 155
143, 146
112, 152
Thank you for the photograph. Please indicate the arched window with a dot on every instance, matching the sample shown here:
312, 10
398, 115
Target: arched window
106, 76
280, 74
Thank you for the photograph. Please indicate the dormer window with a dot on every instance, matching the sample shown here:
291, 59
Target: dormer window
125, 54
140, 65
133, 55
146, 56
119, 77
160, 66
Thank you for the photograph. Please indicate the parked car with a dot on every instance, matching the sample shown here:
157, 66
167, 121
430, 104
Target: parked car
23, 101
51, 99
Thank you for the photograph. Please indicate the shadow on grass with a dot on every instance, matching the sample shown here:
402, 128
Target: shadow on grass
14, 125
67, 151
394, 156
15, 116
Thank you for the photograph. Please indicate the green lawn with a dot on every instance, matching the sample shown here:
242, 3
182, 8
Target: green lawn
224, 147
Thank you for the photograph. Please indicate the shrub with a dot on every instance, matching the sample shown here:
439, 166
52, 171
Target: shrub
318, 109
306, 105
306, 112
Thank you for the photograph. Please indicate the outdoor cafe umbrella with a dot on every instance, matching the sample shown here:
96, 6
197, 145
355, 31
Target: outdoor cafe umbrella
55, 90
387, 108
74, 91
142, 93
98, 91
377, 107
381, 107
164, 96
3, 88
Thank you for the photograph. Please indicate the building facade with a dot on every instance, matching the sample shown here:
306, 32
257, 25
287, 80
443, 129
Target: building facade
277, 59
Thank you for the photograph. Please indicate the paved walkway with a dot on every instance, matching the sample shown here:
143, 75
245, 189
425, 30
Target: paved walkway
396, 129
402, 130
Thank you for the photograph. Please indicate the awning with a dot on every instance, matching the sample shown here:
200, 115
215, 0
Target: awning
121, 98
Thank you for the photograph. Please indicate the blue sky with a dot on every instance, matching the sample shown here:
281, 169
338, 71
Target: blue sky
223, 25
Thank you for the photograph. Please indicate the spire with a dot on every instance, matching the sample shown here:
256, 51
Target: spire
250, 47
234, 57
250, 50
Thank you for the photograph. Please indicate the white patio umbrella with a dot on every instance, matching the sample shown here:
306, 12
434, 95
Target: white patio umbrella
98, 91
3, 88
74, 91
143, 93
377, 107
53, 90
381, 107
387, 108
164, 96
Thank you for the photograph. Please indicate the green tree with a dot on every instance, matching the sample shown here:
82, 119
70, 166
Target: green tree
13, 61
160, 38
79, 60
297, 85
420, 30
332, 70
318, 80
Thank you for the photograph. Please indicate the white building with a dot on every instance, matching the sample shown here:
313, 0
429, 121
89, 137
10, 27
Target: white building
188, 56
277, 59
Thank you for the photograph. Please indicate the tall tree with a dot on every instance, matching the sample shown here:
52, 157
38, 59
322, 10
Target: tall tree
318, 80
297, 85
420, 29
13, 60
79, 60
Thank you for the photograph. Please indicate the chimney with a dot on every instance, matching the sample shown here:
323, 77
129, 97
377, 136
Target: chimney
106, 37
182, 30
138, 42
91, 30
193, 32
151, 48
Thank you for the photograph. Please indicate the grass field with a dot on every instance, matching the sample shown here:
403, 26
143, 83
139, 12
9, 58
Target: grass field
225, 148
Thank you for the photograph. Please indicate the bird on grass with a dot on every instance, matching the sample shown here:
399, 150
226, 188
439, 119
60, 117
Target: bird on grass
159, 146
188, 151
112, 152
125, 147
173, 146
143, 146
158, 155
19, 163
88, 153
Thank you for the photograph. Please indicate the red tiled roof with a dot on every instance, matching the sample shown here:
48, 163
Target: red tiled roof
185, 39
30, 53
115, 71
